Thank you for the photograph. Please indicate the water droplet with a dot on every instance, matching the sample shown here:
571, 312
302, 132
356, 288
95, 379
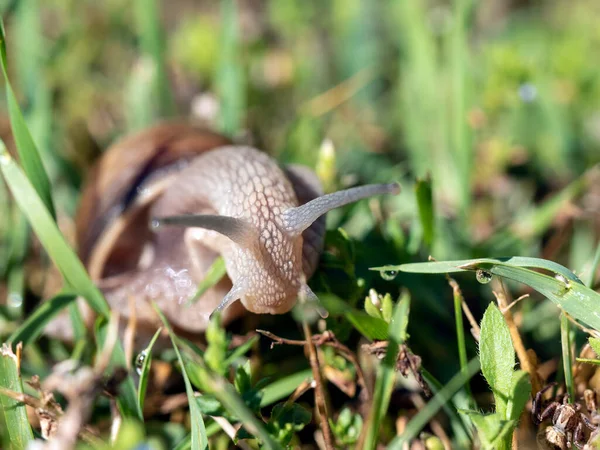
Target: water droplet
154, 224
139, 362
15, 300
389, 274
566, 283
483, 276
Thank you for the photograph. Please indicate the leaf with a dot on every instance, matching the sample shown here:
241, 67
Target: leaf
497, 356
214, 274
386, 372
15, 414
424, 195
469, 264
28, 152
199, 439
564, 288
370, 327
127, 399
49, 235
284, 387
492, 428
35, 323
520, 390
145, 372
595, 344
440, 399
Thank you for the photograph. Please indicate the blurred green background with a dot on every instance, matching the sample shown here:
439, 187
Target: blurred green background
495, 104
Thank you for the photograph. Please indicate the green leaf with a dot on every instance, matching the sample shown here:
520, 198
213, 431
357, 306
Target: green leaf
370, 327
595, 344
520, 391
28, 152
199, 439
213, 275
386, 372
493, 430
424, 194
470, 264
230, 82
35, 323
564, 288
127, 399
15, 414
282, 388
287, 418
49, 235
440, 399
145, 372
497, 356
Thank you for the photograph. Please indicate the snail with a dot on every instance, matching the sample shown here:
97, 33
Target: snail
162, 204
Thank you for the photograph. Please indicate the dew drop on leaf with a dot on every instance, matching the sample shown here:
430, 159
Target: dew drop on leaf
483, 276
389, 274
139, 362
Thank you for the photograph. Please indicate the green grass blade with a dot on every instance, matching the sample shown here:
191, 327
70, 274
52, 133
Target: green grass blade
566, 340
15, 283
34, 325
595, 263
282, 388
153, 44
213, 275
230, 81
48, 233
463, 265
199, 439
145, 372
564, 289
440, 399
127, 399
28, 153
386, 373
15, 414
424, 195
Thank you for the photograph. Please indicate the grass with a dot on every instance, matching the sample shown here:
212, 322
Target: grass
490, 125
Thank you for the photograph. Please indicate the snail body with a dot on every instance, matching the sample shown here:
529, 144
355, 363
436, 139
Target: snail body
203, 197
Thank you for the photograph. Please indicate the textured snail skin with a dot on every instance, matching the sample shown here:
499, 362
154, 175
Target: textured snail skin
211, 199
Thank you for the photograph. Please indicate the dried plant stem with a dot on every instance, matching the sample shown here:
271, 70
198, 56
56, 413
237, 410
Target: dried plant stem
320, 401
328, 339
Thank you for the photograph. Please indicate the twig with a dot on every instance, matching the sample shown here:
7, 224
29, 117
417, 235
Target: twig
319, 390
327, 339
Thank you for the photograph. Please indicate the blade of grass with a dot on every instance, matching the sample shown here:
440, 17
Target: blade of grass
386, 373
19, 237
460, 266
564, 289
460, 334
34, 325
433, 406
145, 372
28, 153
230, 81
127, 399
153, 44
50, 236
595, 263
282, 388
15, 414
199, 439
213, 275
566, 340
